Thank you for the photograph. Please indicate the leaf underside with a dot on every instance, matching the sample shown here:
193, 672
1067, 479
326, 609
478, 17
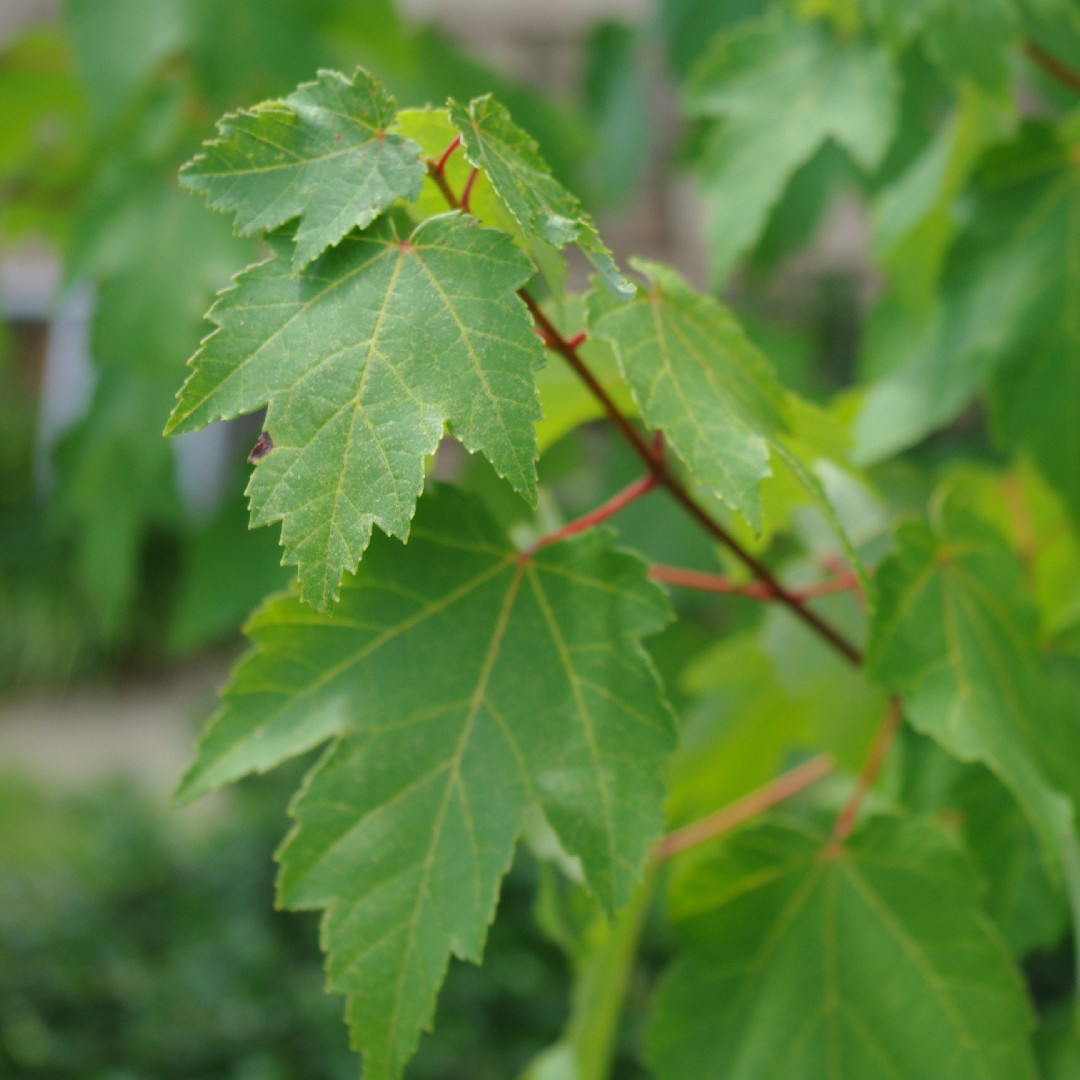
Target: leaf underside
464, 683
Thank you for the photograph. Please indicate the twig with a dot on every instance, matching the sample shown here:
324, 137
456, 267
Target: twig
756, 590
440, 165
845, 821
466, 191
764, 798
658, 467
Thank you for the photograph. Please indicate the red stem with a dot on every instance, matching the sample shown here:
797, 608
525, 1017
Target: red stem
764, 798
608, 509
656, 465
440, 165
875, 758
756, 590
466, 191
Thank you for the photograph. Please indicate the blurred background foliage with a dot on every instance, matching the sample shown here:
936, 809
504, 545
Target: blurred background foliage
120, 551
133, 948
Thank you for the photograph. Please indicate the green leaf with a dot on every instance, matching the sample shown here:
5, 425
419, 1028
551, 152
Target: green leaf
1005, 314
1019, 894
758, 701
806, 962
696, 376
226, 570
322, 155
362, 360
522, 179
955, 636
465, 682
616, 85
782, 87
1034, 211
971, 39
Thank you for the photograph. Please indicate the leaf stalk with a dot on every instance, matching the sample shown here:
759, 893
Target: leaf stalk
763, 798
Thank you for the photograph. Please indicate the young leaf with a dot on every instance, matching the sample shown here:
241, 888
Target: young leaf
782, 87
322, 155
522, 179
467, 682
362, 360
803, 962
954, 636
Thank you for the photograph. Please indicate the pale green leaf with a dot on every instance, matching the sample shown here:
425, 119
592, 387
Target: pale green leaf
955, 636
362, 360
322, 155
522, 179
466, 682
781, 88
811, 963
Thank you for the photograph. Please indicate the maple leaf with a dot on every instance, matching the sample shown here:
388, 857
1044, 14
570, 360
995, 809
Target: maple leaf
781, 88
954, 635
362, 361
520, 177
465, 682
322, 155
802, 962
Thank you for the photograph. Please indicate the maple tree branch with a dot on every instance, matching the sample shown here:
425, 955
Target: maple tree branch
875, 758
764, 798
624, 498
656, 464
756, 590
1053, 67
